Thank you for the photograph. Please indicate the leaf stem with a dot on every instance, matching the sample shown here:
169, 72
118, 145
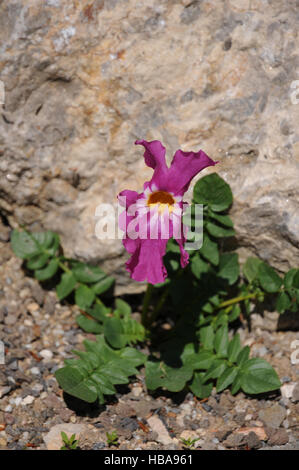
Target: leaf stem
236, 300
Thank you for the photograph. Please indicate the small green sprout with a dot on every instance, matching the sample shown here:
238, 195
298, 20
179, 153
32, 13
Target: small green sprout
112, 438
69, 443
189, 443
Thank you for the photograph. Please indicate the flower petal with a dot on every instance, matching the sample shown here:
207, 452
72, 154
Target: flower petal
127, 197
184, 253
184, 166
154, 157
146, 263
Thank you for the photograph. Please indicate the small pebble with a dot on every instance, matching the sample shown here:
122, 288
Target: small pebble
46, 354
28, 400
32, 308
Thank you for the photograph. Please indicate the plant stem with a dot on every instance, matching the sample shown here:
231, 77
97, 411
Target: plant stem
146, 302
160, 304
236, 300
63, 266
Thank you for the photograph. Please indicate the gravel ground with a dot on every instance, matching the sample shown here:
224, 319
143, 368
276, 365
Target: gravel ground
39, 332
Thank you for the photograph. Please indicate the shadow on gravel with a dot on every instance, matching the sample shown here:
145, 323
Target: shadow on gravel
93, 410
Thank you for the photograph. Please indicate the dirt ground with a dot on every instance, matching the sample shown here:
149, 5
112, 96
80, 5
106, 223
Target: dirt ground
39, 333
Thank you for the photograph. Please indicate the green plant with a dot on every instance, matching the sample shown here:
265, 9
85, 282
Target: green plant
69, 443
189, 443
98, 369
112, 438
203, 300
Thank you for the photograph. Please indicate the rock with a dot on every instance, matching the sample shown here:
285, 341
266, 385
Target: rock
235, 440
295, 393
273, 416
258, 431
137, 391
9, 419
3, 442
10, 319
162, 434
33, 308
222, 434
129, 424
287, 390
46, 354
37, 293
4, 232
49, 304
4, 391
28, 400
53, 439
277, 437
143, 408
253, 441
76, 98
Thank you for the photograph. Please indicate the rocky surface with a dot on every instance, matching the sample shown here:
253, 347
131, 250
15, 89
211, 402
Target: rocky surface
83, 80
39, 333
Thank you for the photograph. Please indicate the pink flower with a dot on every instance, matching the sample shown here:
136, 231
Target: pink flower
154, 216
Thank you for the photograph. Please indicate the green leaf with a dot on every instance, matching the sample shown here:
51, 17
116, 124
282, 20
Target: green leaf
236, 385
198, 266
98, 370
26, 245
235, 313
220, 320
283, 302
215, 370
102, 286
172, 246
84, 296
219, 232
221, 341
209, 250
123, 308
198, 387
234, 348
226, 378
257, 376
251, 268
222, 219
73, 381
98, 311
196, 361
229, 268
86, 273
120, 332
114, 332
291, 278
159, 375
268, 278
66, 285
48, 272
89, 325
213, 191
37, 261
243, 356
54, 245
207, 335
